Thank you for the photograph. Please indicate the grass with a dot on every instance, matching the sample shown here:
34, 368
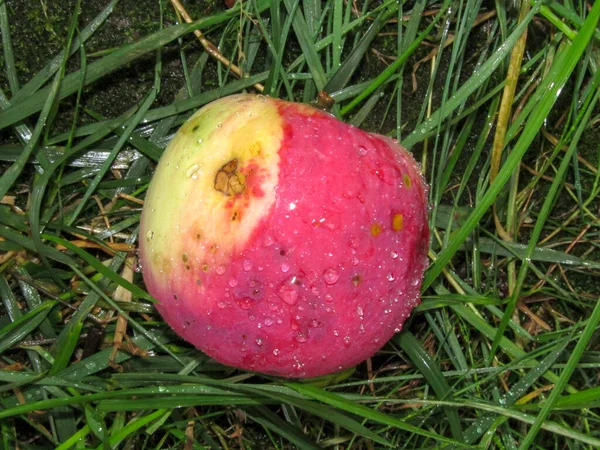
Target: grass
498, 103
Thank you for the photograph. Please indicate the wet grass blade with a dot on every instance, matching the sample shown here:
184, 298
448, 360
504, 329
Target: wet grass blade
564, 377
565, 65
273, 422
9, 58
432, 373
307, 44
466, 90
366, 412
94, 72
552, 85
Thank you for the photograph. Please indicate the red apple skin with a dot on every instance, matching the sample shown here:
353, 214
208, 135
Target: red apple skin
326, 270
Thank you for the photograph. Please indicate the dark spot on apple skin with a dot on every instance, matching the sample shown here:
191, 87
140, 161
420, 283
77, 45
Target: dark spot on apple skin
227, 179
282, 252
196, 128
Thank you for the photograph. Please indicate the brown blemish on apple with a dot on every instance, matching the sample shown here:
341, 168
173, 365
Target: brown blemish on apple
227, 179
407, 181
356, 279
397, 222
375, 230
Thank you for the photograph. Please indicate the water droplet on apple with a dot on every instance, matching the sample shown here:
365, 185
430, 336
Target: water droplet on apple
288, 292
221, 269
285, 267
233, 283
192, 170
361, 151
222, 305
394, 255
200, 141
347, 341
336, 333
328, 297
268, 240
301, 337
247, 264
259, 342
360, 311
295, 325
390, 277
150, 235
276, 351
245, 303
268, 322
331, 276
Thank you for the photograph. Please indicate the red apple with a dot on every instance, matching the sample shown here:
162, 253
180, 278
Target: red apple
280, 240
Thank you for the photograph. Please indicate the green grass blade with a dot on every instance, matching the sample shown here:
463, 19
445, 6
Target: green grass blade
432, 373
552, 86
366, 412
302, 32
564, 377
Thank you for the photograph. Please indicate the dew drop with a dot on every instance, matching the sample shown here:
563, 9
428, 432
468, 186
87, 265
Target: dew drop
222, 305
221, 269
247, 264
233, 283
336, 333
328, 297
331, 276
390, 277
268, 240
245, 303
268, 322
285, 267
200, 141
289, 292
150, 235
394, 255
276, 351
301, 337
360, 311
259, 342
192, 171
347, 341
361, 151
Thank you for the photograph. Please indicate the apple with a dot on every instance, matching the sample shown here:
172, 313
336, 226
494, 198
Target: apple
281, 240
